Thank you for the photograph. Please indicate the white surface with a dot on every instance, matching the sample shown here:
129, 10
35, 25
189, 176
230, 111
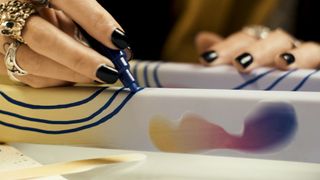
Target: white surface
175, 166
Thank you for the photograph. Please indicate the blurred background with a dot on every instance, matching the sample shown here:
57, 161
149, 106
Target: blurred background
165, 29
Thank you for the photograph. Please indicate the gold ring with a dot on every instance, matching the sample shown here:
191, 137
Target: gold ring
257, 31
13, 16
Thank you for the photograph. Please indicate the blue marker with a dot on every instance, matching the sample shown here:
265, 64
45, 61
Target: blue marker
119, 59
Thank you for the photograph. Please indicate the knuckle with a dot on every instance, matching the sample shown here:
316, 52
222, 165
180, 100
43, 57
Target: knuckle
37, 34
99, 20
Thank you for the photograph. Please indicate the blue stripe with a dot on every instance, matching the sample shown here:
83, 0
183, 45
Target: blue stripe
304, 80
254, 80
145, 74
156, 76
67, 131
135, 72
281, 78
61, 106
45, 121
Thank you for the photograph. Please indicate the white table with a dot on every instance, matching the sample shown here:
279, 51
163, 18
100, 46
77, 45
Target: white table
174, 166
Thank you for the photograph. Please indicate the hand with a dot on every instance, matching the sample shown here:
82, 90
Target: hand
247, 52
52, 55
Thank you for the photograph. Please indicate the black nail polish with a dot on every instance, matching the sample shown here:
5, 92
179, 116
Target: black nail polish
120, 39
288, 58
107, 74
210, 56
245, 60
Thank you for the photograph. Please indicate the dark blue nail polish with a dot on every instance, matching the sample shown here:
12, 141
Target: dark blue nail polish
120, 39
210, 56
245, 60
107, 74
288, 58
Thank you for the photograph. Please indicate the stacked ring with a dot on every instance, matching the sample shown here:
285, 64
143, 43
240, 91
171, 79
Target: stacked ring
13, 16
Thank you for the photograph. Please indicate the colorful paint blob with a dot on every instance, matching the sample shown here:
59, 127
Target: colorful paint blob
271, 125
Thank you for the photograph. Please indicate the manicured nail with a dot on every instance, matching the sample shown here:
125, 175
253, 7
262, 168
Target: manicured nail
288, 58
245, 60
210, 56
120, 39
107, 74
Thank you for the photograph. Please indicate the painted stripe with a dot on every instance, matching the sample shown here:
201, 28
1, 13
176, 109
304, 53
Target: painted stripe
65, 122
278, 80
145, 74
81, 128
304, 81
156, 75
135, 72
61, 106
254, 80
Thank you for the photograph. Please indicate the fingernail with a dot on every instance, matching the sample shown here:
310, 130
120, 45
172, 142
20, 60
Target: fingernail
288, 58
107, 74
245, 60
120, 39
210, 56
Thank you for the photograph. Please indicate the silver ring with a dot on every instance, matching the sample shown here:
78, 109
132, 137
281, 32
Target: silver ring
257, 31
13, 68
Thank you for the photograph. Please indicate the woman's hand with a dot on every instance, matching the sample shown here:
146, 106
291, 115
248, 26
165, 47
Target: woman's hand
54, 57
247, 52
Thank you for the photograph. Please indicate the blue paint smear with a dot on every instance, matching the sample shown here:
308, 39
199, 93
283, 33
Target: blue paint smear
61, 106
56, 122
254, 80
67, 131
302, 83
278, 80
156, 75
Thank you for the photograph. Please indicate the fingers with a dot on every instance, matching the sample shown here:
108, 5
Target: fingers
306, 56
41, 82
34, 81
95, 20
262, 53
225, 51
47, 40
39, 65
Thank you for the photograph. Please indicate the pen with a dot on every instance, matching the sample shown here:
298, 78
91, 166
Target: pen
119, 59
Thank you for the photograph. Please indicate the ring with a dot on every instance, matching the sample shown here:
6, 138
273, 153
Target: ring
257, 31
13, 68
13, 16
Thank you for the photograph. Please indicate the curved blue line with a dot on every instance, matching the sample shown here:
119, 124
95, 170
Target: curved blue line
304, 80
145, 74
61, 106
156, 76
278, 80
67, 131
135, 72
251, 81
56, 122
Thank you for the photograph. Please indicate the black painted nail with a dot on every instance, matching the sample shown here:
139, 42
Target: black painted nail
288, 58
245, 60
210, 56
120, 39
107, 74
